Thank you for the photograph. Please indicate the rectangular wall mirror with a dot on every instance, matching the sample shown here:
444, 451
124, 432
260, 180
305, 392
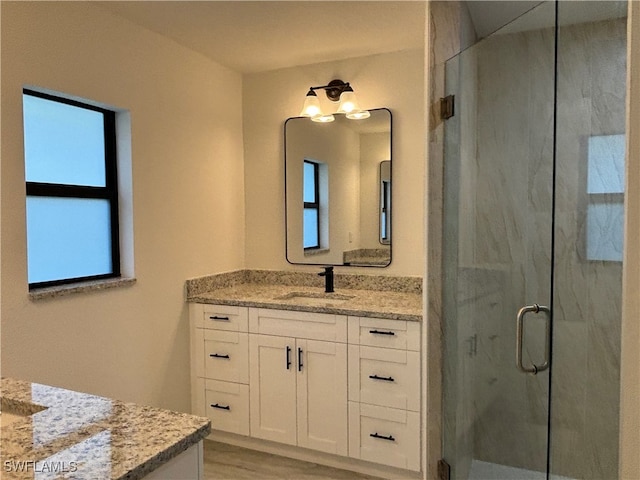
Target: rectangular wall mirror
338, 190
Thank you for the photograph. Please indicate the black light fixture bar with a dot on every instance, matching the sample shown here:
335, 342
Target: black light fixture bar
333, 89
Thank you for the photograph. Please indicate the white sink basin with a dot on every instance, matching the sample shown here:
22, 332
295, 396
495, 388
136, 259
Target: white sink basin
315, 299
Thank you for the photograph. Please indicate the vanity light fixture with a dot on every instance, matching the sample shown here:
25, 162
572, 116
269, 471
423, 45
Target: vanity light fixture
335, 90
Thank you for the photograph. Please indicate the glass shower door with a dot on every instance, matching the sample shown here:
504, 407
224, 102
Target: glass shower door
498, 248
534, 212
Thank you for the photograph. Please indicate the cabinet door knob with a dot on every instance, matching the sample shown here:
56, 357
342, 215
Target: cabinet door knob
217, 355
221, 407
382, 437
299, 359
380, 332
386, 379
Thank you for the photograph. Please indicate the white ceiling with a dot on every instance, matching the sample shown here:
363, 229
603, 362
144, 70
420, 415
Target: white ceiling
488, 16
254, 36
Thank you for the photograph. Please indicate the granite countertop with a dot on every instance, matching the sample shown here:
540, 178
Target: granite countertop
81, 436
393, 298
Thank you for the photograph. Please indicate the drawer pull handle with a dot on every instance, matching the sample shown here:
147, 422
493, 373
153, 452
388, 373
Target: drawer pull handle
382, 437
219, 319
221, 407
299, 359
288, 357
381, 332
386, 379
217, 355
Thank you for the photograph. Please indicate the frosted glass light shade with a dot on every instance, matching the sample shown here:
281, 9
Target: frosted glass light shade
358, 115
323, 118
348, 102
311, 107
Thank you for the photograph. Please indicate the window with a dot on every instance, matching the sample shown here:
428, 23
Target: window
605, 192
311, 212
72, 193
385, 202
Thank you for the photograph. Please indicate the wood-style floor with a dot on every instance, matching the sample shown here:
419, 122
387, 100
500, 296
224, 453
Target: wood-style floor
227, 462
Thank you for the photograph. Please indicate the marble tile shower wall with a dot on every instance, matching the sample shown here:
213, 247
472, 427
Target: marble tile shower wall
585, 399
513, 94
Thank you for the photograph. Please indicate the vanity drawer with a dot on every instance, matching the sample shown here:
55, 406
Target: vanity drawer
227, 406
385, 377
382, 332
221, 317
226, 355
384, 435
289, 323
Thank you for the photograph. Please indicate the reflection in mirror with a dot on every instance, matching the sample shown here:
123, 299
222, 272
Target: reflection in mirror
385, 202
338, 190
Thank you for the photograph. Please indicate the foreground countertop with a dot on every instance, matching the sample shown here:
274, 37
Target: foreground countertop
267, 291
66, 434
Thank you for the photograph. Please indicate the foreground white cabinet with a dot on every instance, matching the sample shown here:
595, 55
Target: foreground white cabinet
347, 386
189, 465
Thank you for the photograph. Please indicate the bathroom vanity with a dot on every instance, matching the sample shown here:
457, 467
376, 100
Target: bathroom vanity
50, 432
280, 365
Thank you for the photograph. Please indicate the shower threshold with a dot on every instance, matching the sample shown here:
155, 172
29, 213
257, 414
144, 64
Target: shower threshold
493, 471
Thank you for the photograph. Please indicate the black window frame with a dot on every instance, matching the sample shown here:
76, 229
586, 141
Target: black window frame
108, 192
315, 205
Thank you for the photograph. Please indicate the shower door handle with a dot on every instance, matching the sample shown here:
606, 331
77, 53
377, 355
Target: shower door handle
533, 368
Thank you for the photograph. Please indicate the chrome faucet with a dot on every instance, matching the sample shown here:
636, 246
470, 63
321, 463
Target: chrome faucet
328, 279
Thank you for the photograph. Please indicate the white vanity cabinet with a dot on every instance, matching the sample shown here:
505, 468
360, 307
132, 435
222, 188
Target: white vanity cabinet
347, 386
299, 383
384, 391
220, 366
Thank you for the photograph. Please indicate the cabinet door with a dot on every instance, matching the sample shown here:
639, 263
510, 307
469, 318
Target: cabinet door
272, 387
322, 396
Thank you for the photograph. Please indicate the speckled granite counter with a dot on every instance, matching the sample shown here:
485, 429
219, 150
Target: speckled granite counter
81, 436
397, 298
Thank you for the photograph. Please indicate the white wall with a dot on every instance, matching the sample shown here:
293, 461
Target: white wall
188, 178
393, 80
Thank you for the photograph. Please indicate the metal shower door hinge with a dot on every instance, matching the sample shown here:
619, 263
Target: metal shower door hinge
444, 470
447, 107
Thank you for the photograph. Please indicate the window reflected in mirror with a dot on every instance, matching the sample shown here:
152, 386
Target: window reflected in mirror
311, 208
385, 202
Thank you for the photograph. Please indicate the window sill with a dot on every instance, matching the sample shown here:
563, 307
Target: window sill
83, 287
316, 251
